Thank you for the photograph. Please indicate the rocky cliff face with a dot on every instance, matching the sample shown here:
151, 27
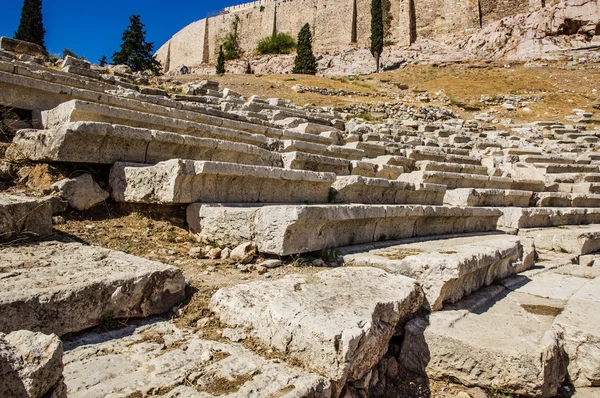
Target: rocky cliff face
546, 33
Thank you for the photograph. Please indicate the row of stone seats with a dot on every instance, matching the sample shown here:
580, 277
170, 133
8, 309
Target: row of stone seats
51, 87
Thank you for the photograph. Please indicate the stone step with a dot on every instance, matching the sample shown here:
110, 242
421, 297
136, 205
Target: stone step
81, 111
306, 161
457, 180
179, 181
64, 287
535, 217
487, 197
572, 178
51, 85
495, 339
369, 149
560, 199
582, 188
440, 156
158, 356
103, 143
452, 167
545, 159
20, 214
447, 267
338, 322
292, 229
357, 189
320, 149
578, 240
567, 168
392, 160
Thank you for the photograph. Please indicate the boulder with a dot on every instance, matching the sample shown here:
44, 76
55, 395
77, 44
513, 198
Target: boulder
81, 192
31, 365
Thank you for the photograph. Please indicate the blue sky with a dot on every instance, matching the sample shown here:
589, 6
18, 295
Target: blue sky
93, 28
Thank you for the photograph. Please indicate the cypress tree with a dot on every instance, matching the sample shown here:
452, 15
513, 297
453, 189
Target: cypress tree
221, 62
305, 62
376, 30
31, 26
135, 51
103, 61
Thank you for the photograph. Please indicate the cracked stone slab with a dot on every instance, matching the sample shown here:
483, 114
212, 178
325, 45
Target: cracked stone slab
494, 339
159, 357
23, 214
358, 189
579, 323
448, 267
56, 287
188, 181
291, 229
337, 322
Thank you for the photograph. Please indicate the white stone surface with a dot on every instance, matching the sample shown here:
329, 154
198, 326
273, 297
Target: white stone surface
291, 229
188, 181
160, 357
55, 287
82, 193
338, 322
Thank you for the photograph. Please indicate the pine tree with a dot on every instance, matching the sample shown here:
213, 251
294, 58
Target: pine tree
221, 62
305, 62
103, 61
31, 26
376, 30
135, 51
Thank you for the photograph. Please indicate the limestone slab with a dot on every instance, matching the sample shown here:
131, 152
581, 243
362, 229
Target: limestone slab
291, 229
456, 180
579, 240
579, 323
103, 143
517, 217
448, 268
21, 214
338, 322
312, 162
493, 339
487, 197
158, 356
188, 181
56, 287
357, 189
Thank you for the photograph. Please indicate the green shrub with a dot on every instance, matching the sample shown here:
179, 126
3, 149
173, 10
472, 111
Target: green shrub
305, 62
279, 43
231, 46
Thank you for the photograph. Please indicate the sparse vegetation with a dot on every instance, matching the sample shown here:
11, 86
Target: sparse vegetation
230, 46
280, 43
366, 116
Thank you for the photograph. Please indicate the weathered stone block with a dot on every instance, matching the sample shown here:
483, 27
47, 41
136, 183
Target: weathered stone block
338, 322
188, 181
290, 229
68, 287
24, 215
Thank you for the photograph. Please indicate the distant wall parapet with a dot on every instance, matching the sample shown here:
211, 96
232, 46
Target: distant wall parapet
335, 23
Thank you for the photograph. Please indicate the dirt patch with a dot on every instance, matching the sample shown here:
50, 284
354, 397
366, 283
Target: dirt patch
222, 386
398, 254
542, 309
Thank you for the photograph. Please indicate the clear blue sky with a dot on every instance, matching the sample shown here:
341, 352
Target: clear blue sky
93, 28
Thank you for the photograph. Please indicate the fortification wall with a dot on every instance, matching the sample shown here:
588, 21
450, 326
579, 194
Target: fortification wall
335, 23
